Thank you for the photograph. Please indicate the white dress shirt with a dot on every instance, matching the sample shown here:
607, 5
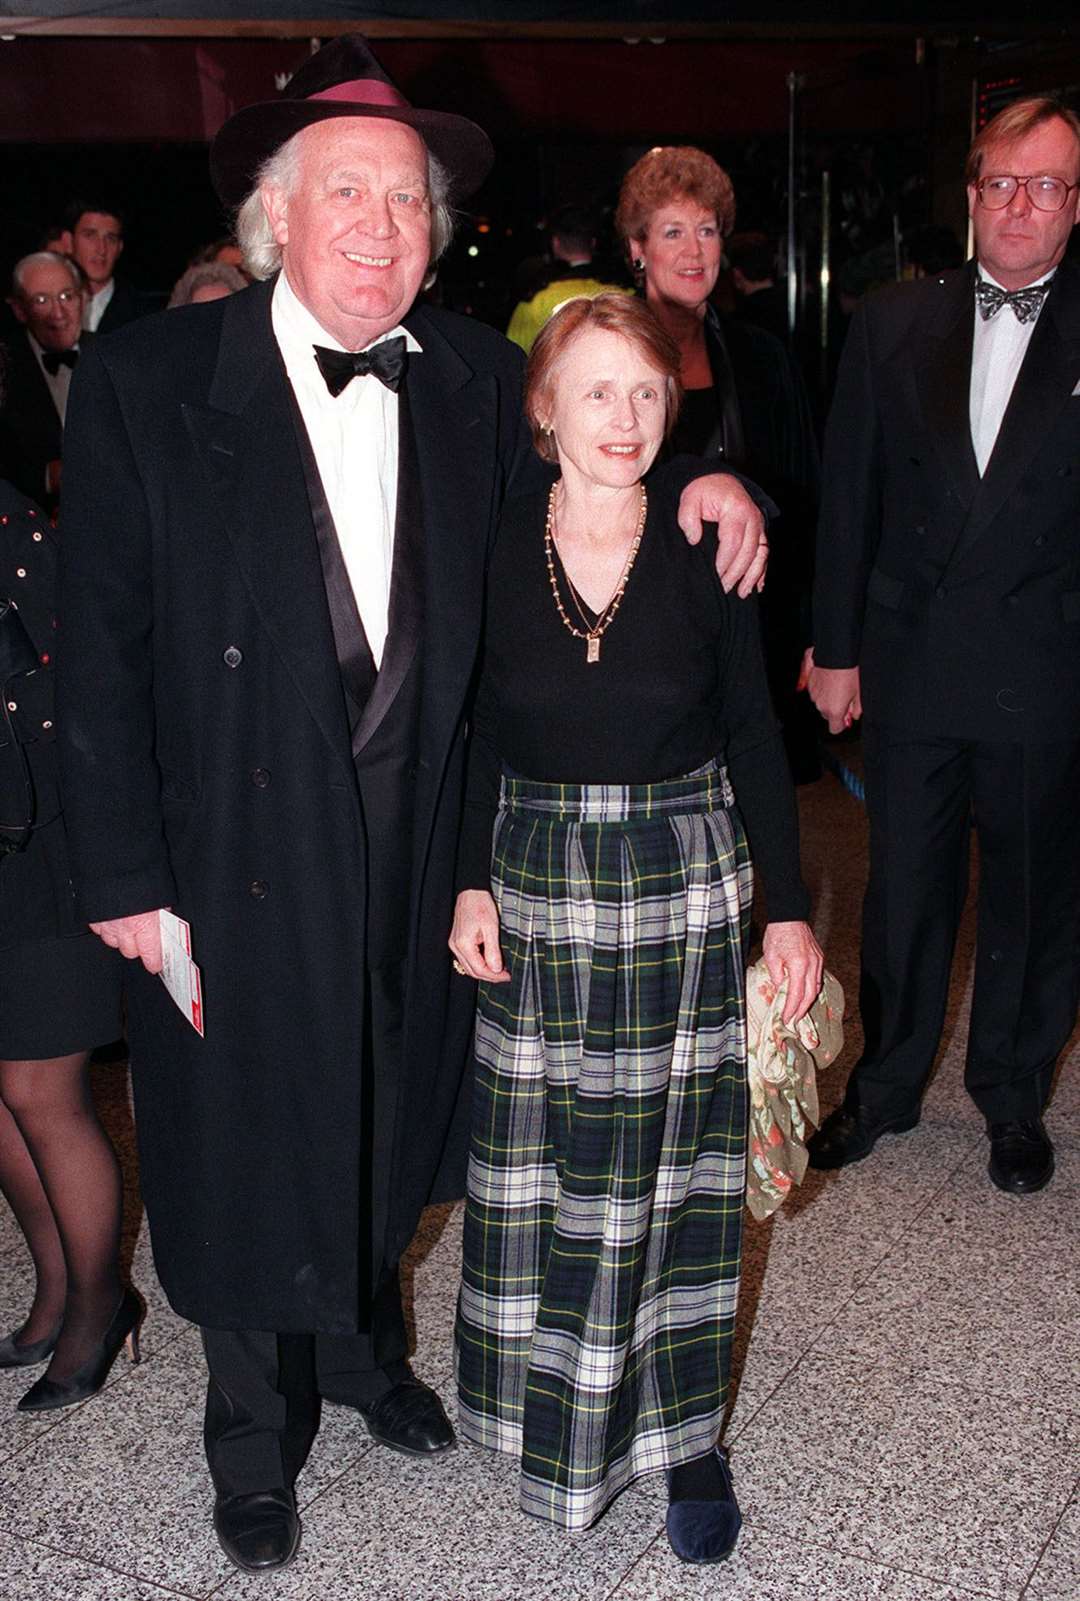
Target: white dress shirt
1000, 346
94, 306
355, 441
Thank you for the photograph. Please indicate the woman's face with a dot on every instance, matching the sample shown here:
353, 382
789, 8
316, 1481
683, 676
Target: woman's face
607, 409
681, 253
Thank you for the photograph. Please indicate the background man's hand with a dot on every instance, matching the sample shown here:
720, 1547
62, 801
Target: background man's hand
135, 936
834, 691
791, 951
474, 938
742, 553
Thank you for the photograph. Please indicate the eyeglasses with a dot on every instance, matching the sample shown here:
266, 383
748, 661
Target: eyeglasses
1044, 192
66, 297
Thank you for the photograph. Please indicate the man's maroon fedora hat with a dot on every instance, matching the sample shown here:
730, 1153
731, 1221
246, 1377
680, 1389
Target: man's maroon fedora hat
342, 80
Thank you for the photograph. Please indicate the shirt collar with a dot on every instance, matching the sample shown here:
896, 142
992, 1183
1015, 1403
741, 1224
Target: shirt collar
297, 331
990, 279
40, 350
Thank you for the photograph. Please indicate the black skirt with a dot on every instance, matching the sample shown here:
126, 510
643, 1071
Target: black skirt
60, 988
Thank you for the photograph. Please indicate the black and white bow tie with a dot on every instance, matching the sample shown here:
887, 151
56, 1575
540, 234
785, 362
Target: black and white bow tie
386, 362
1025, 303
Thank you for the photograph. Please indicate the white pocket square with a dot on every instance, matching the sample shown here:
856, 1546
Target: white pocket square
1076, 391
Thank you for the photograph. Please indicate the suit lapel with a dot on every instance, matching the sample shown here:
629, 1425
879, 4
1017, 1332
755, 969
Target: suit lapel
247, 443
406, 611
1043, 387
943, 373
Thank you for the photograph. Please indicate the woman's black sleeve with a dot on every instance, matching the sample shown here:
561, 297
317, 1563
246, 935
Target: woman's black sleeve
758, 766
483, 770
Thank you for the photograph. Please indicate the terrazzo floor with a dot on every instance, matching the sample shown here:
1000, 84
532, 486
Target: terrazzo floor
906, 1424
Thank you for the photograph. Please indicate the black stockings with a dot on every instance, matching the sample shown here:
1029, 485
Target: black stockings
60, 1175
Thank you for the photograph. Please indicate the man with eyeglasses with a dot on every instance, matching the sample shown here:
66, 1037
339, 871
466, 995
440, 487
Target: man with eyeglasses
947, 607
47, 299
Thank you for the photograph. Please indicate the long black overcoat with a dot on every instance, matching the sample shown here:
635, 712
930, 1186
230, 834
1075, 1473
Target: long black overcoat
207, 765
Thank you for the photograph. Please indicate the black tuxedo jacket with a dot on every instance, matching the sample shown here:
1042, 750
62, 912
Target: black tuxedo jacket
209, 763
958, 597
31, 434
127, 305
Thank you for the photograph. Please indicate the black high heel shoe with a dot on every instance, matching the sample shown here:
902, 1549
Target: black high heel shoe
14, 1355
48, 1394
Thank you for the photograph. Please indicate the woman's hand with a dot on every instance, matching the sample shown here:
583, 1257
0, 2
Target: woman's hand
474, 938
791, 951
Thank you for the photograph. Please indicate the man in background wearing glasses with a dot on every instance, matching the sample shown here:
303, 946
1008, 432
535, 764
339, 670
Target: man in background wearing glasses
47, 298
947, 609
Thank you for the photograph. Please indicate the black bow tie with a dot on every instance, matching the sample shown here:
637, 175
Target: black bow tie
1024, 302
386, 362
53, 360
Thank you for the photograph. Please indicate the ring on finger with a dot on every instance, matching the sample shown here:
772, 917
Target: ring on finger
459, 969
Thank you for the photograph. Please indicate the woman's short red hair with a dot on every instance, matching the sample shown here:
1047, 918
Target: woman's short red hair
673, 172
614, 313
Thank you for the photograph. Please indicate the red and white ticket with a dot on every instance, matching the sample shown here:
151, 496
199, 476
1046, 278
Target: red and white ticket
179, 973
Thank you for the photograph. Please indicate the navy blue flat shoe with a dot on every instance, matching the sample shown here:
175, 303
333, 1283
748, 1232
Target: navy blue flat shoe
702, 1531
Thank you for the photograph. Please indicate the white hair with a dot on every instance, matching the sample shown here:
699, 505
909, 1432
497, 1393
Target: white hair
43, 258
281, 170
202, 273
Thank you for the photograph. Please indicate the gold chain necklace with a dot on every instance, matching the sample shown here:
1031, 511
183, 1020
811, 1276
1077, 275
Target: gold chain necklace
606, 616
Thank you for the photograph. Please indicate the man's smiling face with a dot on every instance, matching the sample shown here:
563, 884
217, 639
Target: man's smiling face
355, 233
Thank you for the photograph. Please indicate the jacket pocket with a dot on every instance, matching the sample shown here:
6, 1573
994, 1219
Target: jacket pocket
885, 589
174, 788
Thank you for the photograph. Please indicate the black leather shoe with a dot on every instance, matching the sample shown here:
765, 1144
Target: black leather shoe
258, 1532
849, 1136
409, 1418
1021, 1156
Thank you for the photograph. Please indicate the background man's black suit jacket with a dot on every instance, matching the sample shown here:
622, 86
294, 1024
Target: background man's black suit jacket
31, 434
959, 597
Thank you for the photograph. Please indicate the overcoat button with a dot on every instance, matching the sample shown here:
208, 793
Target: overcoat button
941, 592
47, 723
233, 657
997, 956
1040, 539
260, 778
259, 889
37, 536
12, 705
20, 572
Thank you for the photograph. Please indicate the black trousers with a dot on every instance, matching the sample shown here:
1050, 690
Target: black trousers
921, 797
265, 1393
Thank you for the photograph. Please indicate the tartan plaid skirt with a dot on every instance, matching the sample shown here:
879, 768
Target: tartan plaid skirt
608, 1158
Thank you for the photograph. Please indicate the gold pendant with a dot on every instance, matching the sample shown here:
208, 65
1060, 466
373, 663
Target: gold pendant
592, 654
